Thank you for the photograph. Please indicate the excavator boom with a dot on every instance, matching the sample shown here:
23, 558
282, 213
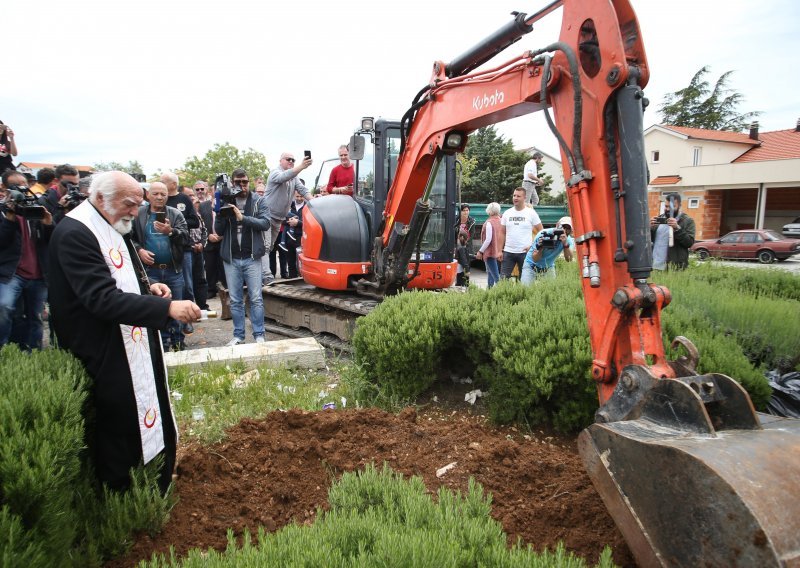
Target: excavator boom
689, 471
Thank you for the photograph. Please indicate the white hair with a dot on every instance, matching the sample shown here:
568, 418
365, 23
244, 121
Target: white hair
169, 176
103, 184
493, 209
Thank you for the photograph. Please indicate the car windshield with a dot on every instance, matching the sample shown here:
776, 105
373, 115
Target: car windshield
772, 236
795, 221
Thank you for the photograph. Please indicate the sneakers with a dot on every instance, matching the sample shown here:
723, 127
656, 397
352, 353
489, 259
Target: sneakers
260, 339
268, 281
234, 341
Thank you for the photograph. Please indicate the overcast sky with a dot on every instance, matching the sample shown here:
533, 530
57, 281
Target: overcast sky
161, 80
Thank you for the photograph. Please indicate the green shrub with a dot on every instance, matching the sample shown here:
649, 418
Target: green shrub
529, 346
377, 518
50, 511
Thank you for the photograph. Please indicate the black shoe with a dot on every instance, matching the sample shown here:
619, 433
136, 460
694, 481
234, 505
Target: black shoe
188, 329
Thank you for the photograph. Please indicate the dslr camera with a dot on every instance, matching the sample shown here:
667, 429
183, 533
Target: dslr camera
662, 220
227, 193
74, 196
551, 239
25, 203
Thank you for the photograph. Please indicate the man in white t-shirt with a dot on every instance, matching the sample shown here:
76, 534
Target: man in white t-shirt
520, 222
531, 179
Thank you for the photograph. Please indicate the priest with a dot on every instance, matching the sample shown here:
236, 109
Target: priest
105, 311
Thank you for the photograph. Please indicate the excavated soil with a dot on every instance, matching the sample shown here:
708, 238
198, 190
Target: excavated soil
273, 471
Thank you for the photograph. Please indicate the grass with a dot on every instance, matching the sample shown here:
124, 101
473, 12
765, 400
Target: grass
228, 393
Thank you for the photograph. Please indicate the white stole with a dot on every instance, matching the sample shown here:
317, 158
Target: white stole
135, 338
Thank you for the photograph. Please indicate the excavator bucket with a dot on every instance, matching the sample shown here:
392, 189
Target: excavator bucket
695, 477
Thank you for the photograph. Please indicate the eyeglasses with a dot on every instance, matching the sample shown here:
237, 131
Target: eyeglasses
289, 160
241, 181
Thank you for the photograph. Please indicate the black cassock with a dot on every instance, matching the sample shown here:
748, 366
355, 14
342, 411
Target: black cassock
86, 310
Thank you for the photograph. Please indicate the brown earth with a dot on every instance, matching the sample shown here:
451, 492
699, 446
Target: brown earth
277, 470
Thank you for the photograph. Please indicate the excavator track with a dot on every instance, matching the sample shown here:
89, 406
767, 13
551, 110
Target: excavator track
298, 305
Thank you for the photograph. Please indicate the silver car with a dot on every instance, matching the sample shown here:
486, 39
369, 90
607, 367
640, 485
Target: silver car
792, 230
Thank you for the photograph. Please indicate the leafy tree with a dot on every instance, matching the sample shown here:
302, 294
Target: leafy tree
223, 158
133, 167
494, 167
700, 106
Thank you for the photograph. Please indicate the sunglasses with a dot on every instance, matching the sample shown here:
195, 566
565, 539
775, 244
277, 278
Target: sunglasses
241, 181
289, 160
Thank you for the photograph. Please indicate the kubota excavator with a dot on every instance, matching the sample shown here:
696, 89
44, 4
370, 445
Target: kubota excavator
690, 472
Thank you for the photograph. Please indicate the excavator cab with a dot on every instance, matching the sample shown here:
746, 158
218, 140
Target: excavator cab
340, 231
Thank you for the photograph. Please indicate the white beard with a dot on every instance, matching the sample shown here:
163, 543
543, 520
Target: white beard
124, 225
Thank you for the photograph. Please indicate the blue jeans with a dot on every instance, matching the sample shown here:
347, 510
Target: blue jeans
188, 286
530, 274
34, 295
173, 335
492, 270
240, 272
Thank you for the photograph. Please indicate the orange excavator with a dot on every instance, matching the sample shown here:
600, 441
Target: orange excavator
690, 472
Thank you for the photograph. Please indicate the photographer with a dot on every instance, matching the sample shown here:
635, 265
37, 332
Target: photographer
159, 235
548, 244
242, 222
25, 230
672, 234
63, 198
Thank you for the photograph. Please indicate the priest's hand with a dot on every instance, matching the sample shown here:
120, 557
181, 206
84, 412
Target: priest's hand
185, 311
147, 257
161, 290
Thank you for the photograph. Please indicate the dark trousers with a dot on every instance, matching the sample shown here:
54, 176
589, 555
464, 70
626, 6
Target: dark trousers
510, 260
214, 270
199, 282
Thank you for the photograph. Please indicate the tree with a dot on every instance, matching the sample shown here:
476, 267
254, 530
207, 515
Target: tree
133, 167
223, 158
493, 169
700, 106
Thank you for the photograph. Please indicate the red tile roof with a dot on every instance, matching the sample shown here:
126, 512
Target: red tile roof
37, 165
665, 180
714, 135
775, 145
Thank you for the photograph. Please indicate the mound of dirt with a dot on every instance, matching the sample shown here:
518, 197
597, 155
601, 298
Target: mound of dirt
273, 471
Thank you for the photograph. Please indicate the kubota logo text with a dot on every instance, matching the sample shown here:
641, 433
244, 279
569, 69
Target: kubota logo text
487, 101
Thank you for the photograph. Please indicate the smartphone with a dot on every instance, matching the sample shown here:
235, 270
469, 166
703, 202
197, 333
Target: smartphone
307, 154
161, 216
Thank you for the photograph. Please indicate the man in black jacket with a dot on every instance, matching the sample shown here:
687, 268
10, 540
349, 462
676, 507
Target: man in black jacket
23, 267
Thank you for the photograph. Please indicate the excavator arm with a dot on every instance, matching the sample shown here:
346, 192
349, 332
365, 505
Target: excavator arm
689, 471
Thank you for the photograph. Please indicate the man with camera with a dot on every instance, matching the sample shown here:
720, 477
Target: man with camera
66, 195
672, 234
242, 222
159, 236
548, 244
25, 230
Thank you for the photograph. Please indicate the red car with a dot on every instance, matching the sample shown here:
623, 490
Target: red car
763, 245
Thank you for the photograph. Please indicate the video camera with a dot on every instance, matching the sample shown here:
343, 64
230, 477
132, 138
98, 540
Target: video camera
74, 196
227, 193
551, 238
26, 206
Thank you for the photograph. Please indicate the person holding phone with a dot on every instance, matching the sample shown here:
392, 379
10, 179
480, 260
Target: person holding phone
8, 148
342, 176
159, 236
281, 185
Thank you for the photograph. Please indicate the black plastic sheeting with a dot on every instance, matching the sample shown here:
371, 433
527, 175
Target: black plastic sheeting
785, 400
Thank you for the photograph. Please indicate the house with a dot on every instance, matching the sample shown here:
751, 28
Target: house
727, 180
34, 167
550, 166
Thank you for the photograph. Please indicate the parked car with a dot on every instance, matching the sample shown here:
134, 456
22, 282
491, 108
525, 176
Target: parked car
763, 245
792, 229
